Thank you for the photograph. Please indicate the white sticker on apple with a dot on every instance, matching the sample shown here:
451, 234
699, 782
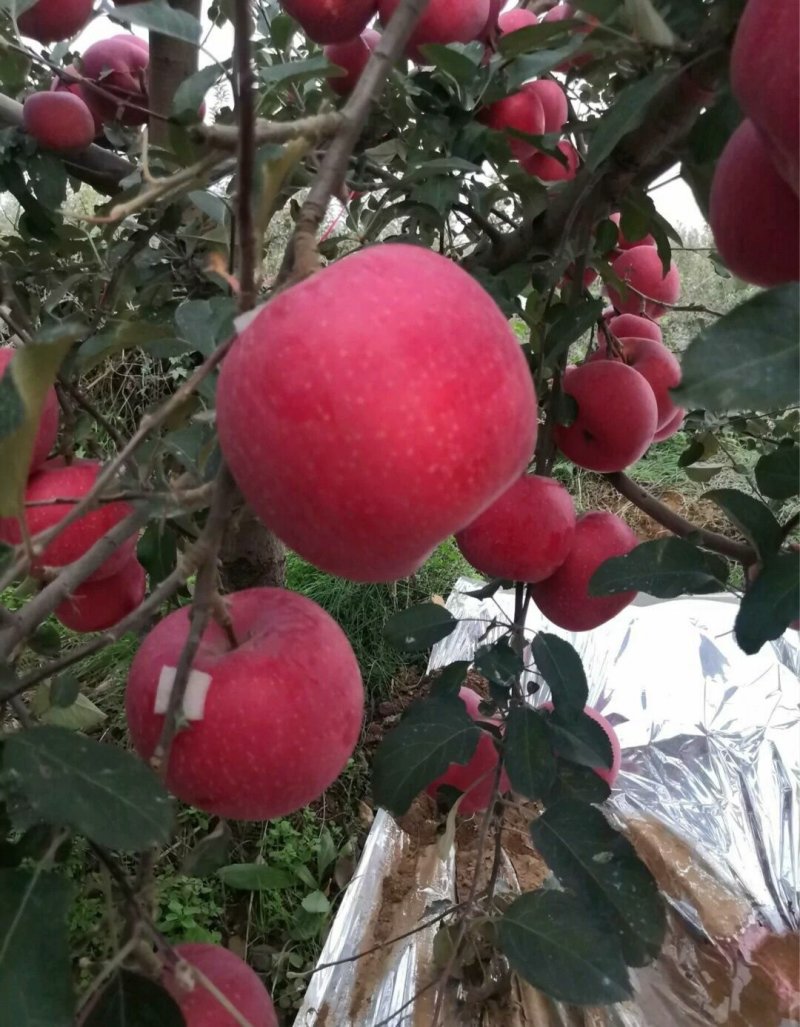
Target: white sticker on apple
194, 699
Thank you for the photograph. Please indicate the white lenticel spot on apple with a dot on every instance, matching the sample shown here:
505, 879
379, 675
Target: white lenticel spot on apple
194, 699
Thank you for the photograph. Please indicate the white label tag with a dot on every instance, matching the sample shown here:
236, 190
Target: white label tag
194, 699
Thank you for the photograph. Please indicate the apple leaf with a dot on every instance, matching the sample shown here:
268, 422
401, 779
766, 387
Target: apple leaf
576, 782
561, 667
210, 853
130, 1000
770, 603
778, 472
528, 756
255, 877
434, 733
158, 16
99, 790
552, 942
205, 323
190, 93
35, 970
664, 567
451, 678
747, 360
578, 738
499, 664
628, 112
419, 627
752, 518
570, 325
533, 65
602, 868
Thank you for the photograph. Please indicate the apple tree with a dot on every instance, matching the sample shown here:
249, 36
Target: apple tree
433, 173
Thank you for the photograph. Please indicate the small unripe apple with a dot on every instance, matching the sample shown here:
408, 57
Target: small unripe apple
609, 775
119, 66
240, 985
672, 427
331, 21
475, 777
564, 597
364, 433
616, 419
657, 365
623, 243
442, 21
352, 57
753, 213
97, 605
48, 422
633, 326
58, 121
548, 169
522, 112
641, 269
49, 21
525, 534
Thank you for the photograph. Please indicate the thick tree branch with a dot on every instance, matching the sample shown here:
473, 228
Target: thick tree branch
171, 61
317, 126
245, 111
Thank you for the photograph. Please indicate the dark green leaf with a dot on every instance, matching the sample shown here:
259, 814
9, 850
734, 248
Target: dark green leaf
452, 677
48, 177
99, 790
629, 111
209, 854
64, 690
499, 664
158, 16
488, 590
527, 66
778, 472
571, 325
130, 1000
576, 782
46, 640
578, 738
190, 93
157, 552
664, 567
461, 63
439, 192
255, 877
206, 323
528, 756
562, 669
753, 519
770, 604
747, 360
12, 409
419, 627
35, 971
433, 734
532, 37
552, 942
294, 71
695, 451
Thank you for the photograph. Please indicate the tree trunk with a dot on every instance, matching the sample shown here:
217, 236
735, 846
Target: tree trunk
171, 61
251, 555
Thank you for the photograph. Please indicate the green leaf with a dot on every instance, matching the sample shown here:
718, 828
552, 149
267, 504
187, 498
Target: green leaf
778, 473
552, 942
294, 71
499, 664
571, 325
576, 782
190, 93
460, 62
419, 627
578, 738
64, 690
46, 640
628, 112
561, 667
533, 37
206, 323
439, 192
593, 860
770, 604
209, 854
434, 733
255, 877
316, 902
528, 66
157, 552
752, 518
158, 16
99, 790
130, 1000
35, 970
528, 756
451, 678
12, 409
664, 567
81, 715
747, 360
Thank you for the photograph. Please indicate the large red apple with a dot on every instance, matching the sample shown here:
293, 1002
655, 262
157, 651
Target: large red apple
97, 605
656, 364
58, 121
649, 288
475, 778
525, 534
49, 21
442, 21
119, 66
564, 597
57, 481
59, 85
553, 100
753, 213
616, 419
765, 80
672, 427
48, 422
623, 243
331, 21
633, 326
548, 169
374, 409
520, 112
271, 722
352, 57
611, 774
240, 985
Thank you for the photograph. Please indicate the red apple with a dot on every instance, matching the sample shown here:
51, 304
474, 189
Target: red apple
657, 365
564, 597
525, 534
765, 80
48, 422
672, 427
589, 276
490, 28
611, 774
475, 777
49, 21
633, 326
119, 66
521, 112
442, 21
331, 21
616, 419
361, 424
58, 85
57, 481
58, 121
548, 169
515, 19
99, 605
753, 213
624, 243
352, 57
240, 985
553, 100
640, 268
271, 722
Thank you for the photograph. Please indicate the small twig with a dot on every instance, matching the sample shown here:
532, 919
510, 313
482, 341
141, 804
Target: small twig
86, 404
